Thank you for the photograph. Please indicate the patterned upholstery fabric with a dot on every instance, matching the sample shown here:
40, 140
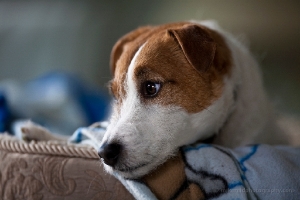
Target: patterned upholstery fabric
40, 170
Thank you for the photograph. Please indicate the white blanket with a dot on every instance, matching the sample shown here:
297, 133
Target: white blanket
251, 172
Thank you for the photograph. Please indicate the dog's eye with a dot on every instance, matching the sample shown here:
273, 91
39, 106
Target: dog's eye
150, 89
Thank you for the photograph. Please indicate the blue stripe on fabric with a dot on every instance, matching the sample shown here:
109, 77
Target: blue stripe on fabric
235, 184
78, 137
247, 157
191, 148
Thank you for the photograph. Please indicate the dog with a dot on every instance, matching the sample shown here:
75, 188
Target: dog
175, 84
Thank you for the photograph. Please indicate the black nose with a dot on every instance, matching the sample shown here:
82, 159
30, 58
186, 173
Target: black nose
110, 153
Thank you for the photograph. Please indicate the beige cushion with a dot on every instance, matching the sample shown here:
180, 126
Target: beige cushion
40, 170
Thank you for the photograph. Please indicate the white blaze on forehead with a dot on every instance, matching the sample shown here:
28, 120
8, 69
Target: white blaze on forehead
131, 89
131, 67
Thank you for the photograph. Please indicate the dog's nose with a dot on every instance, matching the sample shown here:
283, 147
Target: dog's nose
110, 153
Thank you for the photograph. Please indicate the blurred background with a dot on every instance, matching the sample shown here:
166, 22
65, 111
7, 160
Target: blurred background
76, 37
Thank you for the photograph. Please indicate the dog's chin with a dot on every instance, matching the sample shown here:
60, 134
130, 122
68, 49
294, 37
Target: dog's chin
138, 170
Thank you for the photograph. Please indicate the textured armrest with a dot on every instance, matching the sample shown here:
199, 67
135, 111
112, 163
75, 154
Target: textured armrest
40, 170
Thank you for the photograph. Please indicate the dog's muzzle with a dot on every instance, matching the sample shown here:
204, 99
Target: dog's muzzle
110, 153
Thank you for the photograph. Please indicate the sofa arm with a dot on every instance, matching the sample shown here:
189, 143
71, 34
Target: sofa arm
40, 170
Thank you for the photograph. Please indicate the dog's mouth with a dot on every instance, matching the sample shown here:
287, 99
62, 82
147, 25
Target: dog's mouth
130, 169
138, 170
132, 172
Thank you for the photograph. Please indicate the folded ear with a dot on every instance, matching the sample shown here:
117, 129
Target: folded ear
118, 47
197, 45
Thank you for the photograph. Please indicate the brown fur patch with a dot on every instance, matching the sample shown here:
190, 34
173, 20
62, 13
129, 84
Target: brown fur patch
166, 181
162, 182
163, 60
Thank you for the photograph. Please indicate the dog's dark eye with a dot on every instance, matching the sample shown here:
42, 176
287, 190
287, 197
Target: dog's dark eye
150, 89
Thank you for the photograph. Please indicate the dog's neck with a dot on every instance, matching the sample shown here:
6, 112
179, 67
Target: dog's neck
253, 113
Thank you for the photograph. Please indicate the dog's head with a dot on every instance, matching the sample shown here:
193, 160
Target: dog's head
168, 84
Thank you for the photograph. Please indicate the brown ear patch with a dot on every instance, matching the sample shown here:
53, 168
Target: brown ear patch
119, 46
197, 45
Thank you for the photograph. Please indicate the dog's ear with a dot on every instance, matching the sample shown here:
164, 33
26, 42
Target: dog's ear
197, 45
118, 47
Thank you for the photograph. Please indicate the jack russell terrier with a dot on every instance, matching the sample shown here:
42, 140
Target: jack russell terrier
179, 83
